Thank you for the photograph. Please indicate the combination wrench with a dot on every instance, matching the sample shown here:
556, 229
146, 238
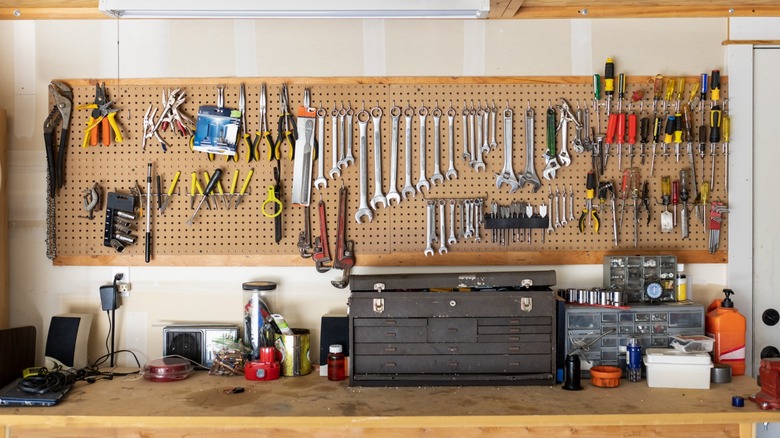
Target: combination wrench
392, 194
451, 172
529, 176
379, 196
408, 188
571, 203
472, 136
507, 175
563, 204
335, 171
485, 125
478, 139
452, 239
437, 176
442, 245
363, 210
321, 183
493, 125
342, 157
477, 220
422, 181
428, 230
467, 207
349, 159
465, 133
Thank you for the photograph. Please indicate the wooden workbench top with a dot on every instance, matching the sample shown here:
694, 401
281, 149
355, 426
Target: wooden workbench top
314, 402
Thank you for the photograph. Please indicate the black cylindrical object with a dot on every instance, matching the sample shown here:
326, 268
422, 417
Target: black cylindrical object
572, 373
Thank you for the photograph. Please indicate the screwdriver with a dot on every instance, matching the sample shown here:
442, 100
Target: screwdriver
704, 196
680, 89
702, 92
667, 221
656, 138
621, 90
644, 134
209, 188
621, 135
675, 200
609, 83
219, 190
678, 127
669, 92
596, 98
715, 120
669, 128
590, 192
657, 90
688, 133
715, 87
611, 130
702, 145
726, 124
624, 193
684, 199
632, 119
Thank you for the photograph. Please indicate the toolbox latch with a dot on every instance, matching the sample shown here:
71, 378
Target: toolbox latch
526, 283
379, 287
526, 304
379, 305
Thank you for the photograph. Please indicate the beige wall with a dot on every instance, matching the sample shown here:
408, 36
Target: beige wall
33, 53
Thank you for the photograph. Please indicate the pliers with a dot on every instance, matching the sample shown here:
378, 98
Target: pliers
63, 106
103, 116
286, 128
264, 131
252, 145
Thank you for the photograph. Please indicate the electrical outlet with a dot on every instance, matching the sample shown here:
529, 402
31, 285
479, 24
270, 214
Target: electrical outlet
123, 289
123, 284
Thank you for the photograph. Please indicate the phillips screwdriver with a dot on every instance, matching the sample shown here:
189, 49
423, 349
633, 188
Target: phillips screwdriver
678, 127
657, 90
612, 123
590, 193
684, 199
715, 120
726, 124
209, 188
644, 135
702, 91
656, 138
667, 220
609, 83
621, 90
671, 125
702, 146
596, 98
688, 137
632, 121
715, 87
668, 92
675, 200
621, 135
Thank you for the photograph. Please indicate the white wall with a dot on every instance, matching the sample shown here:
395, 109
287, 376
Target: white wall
34, 53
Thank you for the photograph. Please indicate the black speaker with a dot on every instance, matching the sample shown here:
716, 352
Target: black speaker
334, 329
66, 343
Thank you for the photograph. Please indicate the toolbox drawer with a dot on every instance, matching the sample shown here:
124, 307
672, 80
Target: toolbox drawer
439, 364
451, 348
392, 334
452, 330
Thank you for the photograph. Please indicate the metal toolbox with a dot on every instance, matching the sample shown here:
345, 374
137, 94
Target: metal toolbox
453, 329
603, 330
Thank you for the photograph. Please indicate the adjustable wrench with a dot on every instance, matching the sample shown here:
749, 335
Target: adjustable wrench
485, 128
345, 255
342, 157
348, 159
321, 253
321, 183
437, 176
392, 194
363, 210
335, 171
430, 212
480, 113
451, 172
465, 133
452, 239
422, 181
578, 143
507, 175
550, 156
442, 245
529, 176
493, 125
408, 188
379, 196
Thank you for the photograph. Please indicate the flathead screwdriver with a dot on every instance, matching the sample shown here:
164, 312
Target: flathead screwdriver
206, 192
609, 83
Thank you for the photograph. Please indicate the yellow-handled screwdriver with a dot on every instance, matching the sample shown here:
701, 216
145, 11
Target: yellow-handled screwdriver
244, 187
169, 193
233, 185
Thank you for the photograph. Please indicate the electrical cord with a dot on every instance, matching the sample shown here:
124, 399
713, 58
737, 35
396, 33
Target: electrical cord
56, 380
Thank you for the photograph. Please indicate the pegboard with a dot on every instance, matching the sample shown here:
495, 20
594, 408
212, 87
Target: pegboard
397, 234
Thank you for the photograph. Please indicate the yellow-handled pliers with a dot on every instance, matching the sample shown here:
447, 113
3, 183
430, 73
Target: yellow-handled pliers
286, 127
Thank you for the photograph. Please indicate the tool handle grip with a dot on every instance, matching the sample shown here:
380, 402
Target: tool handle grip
621, 127
703, 87
213, 181
715, 85
632, 119
597, 87
609, 77
644, 129
173, 184
611, 128
621, 85
657, 123
148, 248
715, 120
658, 85
675, 192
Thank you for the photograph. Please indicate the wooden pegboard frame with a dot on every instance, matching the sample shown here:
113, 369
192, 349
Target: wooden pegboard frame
396, 236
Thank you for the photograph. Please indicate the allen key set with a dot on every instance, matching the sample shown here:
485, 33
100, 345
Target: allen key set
444, 138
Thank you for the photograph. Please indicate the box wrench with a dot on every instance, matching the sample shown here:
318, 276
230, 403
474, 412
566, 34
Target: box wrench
437, 176
321, 254
422, 181
363, 210
376, 119
507, 175
451, 172
392, 194
430, 212
335, 171
321, 183
529, 176
452, 239
480, 113
345, 255
408, 188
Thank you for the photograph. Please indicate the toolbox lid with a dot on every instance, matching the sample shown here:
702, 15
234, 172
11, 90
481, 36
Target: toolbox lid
440, 282
672, 356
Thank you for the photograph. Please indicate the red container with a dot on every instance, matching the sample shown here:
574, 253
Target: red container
267, 368
727, 326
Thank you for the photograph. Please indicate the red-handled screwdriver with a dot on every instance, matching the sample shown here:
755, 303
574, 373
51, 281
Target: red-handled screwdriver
611, 130
621, 135
632, 122
675, 200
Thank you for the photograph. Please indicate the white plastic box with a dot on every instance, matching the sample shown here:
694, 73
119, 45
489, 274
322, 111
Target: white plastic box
669, 368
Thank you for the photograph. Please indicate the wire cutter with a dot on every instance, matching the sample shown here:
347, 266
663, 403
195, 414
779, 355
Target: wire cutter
63, 106
287, 130
101, 121
251, 145
264, 131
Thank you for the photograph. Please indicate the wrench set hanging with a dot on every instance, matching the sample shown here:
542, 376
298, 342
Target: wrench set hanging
400, 144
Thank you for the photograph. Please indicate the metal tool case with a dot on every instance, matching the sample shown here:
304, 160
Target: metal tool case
453, 329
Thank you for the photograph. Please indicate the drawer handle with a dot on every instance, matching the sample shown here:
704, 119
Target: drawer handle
390, 349
391, 334
514, 364
452, 364
514, 348
452, 330
390, 322
390, 364
514, 338
514, 330
453, 349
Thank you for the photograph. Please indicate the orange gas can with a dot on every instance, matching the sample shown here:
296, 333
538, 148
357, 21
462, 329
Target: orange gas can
724, 323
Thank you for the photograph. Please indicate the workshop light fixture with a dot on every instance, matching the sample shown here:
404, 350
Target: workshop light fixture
463, 9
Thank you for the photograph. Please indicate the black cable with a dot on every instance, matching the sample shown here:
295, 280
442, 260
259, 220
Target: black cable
45, 381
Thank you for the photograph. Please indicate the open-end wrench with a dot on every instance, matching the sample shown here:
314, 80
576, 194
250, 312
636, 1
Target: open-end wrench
379, 196
408, 188
348, 158
392, 194
529, 175
467, 206
550, 156
507, 175
480, 113
555, 207
452, 239
563, 205
430, 212
472, 135
363, 209
485, 128
451, 172
477, 219
423, 181
342, 139
461, 211
465, 133
442, 245
566, 117
571, 203
493, 125
437, 176
321, 183
335, 171
543, 213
